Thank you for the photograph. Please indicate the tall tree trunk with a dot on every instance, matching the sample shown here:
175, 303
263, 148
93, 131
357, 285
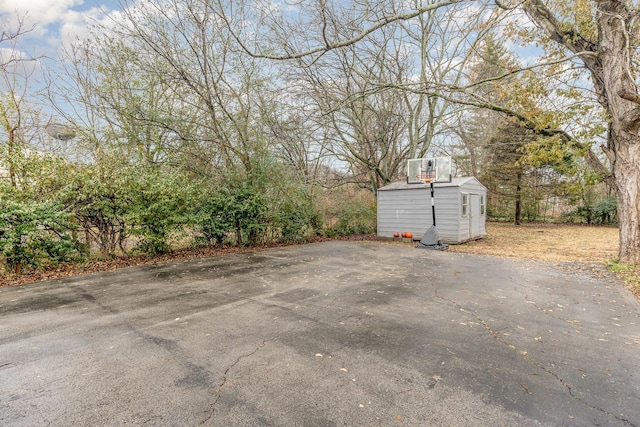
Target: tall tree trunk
626, 173
618, 94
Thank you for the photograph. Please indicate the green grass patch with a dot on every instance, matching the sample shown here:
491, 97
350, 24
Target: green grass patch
629, 273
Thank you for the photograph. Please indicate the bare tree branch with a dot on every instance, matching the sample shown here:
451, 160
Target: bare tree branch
12, 36
529, 68
381, 23
629, 96
502, 5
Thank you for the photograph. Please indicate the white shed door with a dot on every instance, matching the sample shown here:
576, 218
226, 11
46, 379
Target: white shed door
475, 217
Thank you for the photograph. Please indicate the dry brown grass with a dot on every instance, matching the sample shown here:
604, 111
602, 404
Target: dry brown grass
547, 242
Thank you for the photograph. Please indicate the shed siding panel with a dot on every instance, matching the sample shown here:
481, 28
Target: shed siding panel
410, 210
404, 210
447, 214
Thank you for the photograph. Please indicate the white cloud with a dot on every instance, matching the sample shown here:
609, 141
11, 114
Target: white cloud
8, 55
74, 24
48, 22
40, 13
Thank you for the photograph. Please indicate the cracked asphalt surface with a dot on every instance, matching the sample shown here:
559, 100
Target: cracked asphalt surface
325, 334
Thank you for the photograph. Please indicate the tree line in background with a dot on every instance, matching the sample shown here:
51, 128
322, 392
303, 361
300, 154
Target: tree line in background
199, 122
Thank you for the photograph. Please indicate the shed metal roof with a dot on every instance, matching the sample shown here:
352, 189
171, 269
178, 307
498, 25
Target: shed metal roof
402, 185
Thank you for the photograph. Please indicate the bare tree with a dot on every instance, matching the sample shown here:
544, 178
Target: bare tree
298, 139
380, 97
165, 80
365, 127
444, 42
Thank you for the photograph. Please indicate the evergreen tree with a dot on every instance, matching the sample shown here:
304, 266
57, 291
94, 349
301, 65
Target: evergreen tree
478, 125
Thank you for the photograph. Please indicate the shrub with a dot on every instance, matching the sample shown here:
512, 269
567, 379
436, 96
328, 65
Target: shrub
347, 210
233, 209
161, 205
602, 212
32, 234
295, 216
356, 218
100, 201
605, 211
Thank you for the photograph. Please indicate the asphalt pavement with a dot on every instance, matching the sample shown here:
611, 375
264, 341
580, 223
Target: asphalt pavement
325, 334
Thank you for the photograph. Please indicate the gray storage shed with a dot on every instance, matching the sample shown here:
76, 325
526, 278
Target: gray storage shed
460, 209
